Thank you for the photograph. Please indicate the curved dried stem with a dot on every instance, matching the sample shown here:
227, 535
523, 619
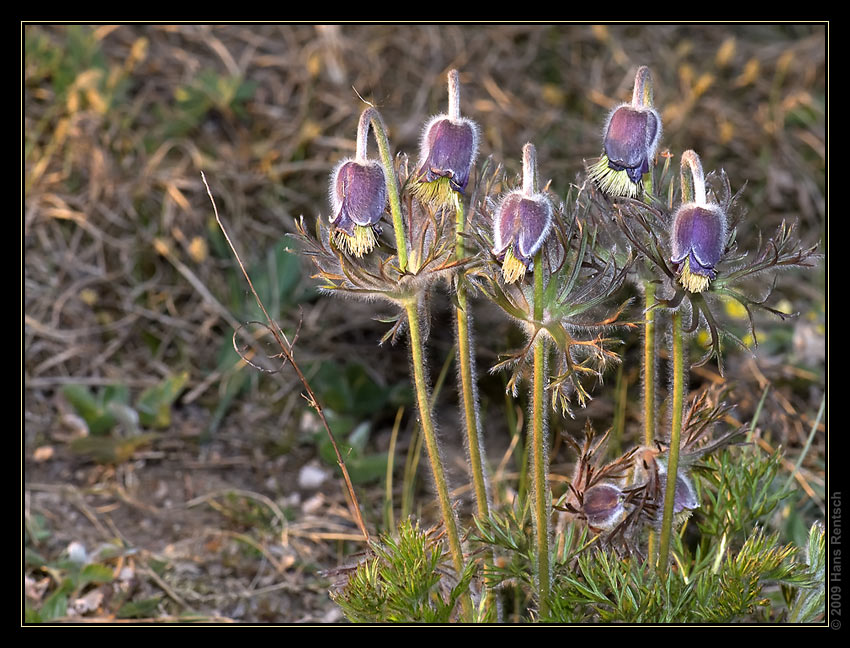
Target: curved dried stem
286, 352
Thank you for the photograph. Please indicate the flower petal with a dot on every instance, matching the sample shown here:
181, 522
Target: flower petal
603, 505
448, 150
523, 221
699, 231
626, 137
536, 217
358, 194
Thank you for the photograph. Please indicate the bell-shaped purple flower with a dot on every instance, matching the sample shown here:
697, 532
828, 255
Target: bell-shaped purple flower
447, 151
631, 137
603, 507
358, 195
698, 241
521, 226
522, 222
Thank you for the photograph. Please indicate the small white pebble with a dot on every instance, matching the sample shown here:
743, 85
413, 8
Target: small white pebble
311, 477
77, 553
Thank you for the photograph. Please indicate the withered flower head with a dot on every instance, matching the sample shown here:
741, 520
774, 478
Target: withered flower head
522, 222
631, 136
447, 152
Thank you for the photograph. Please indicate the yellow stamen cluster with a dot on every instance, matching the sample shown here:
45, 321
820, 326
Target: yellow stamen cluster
611, 182
362, 242
691, 281
438, 193
513, 269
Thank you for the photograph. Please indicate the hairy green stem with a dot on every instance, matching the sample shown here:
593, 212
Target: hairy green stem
539, 453
649, 353
675, 434
380, 133
692, 179
642, 92
429, 433
468, 385
469, 390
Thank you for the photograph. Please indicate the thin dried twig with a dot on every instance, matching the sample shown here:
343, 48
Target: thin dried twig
286, 350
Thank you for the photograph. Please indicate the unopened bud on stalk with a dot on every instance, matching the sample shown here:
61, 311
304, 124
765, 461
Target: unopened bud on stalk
699, 230
603, 506
632, 133
523, 221
358, 195
447, 152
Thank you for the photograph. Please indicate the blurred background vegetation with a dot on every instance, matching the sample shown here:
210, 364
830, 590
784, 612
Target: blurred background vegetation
165, 479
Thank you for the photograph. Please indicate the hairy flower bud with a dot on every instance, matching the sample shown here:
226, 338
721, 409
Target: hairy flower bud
521, 226
630, 140
631, 136
698, 240
522, 222
603, 506
358, 195
447, 152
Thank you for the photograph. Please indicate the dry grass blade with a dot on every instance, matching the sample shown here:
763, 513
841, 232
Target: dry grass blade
286, 351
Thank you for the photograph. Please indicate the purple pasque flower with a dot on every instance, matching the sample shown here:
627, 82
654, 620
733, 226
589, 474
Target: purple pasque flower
630, 139
698, 240
520, 228
522, 222
651, 471
447, 151
358, 194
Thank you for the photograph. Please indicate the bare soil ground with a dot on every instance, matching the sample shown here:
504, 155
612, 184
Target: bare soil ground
228, 512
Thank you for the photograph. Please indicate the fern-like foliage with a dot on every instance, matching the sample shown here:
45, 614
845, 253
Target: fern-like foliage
405, 578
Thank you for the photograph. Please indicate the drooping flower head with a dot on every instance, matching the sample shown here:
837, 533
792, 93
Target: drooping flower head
447, 152
358, 195
523, 221
631, 137
698, 237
